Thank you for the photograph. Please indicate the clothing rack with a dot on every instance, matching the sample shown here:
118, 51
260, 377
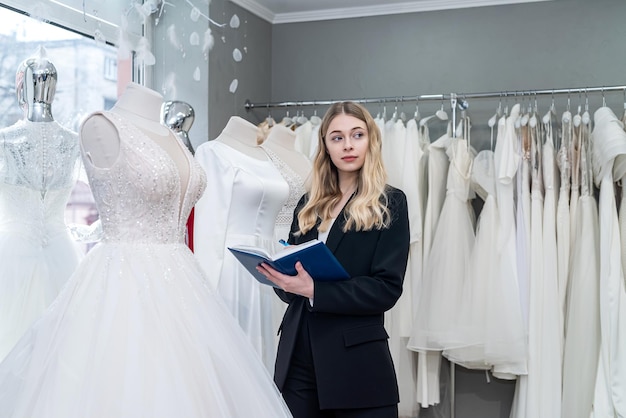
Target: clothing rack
450, 96
457, 100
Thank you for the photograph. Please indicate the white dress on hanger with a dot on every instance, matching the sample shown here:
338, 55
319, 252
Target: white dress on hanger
490, 321
435, 166
609, 162
550, 336
398, 320
39, 165
449, 259
394, 151
243, 198
563, 221
582, 321
137, 331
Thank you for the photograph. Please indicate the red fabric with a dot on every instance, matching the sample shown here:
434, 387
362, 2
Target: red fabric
190, 230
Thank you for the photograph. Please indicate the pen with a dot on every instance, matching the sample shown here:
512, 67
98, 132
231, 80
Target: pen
282, 241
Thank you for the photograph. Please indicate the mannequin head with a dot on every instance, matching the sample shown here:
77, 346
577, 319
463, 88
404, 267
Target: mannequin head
179, 117
35, 86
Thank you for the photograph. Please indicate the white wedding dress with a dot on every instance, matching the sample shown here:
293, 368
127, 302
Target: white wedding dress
137, 331
39, 164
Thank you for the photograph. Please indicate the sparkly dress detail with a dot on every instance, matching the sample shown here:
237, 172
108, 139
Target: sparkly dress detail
39, 164
137, 330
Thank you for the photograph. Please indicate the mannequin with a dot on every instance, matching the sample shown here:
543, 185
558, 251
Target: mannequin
241, 135
245, 192
39, 166
282, 140
142, 107
136, 331
35, 87
179, 117
295, 168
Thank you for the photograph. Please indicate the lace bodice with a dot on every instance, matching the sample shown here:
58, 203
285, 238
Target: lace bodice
39, 164
139, 197
296, 190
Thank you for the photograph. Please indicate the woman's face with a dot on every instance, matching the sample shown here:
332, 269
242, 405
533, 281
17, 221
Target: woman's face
347, 143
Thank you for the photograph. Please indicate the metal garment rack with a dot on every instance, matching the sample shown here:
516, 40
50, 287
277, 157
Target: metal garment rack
457, 101
425, 97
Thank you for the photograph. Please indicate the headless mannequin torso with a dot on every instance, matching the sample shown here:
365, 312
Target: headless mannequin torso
281, 140
141, 107
241, 135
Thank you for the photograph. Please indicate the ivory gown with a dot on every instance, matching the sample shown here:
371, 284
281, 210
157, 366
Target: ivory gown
39, 165
243, 198
137, 331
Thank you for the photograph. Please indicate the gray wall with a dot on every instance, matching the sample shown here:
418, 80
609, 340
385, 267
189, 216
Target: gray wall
543, 45
253, 71
173, 73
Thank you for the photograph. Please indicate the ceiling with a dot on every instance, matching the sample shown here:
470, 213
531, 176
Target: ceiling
289, 11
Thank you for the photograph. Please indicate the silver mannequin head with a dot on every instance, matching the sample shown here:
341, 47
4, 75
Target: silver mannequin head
179, 117
35, 86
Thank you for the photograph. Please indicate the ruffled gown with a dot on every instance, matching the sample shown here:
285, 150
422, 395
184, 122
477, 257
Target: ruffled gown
137, 330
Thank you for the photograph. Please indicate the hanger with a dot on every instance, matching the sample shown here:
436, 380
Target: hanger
525, 117
547, 118
315, 120
578, 117
439, 114
586, 118
269, 119
492, 120
416, 115
287, 120
567, 115
533, 118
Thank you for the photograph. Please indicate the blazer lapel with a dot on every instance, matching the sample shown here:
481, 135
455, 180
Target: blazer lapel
336, 231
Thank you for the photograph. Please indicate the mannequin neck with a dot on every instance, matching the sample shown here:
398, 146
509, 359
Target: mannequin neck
282, 137
39, 112
142, 106
240, 130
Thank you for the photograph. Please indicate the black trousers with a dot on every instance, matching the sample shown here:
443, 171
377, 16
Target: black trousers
300, 389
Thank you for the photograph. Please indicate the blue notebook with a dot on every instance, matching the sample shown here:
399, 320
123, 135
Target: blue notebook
314, 255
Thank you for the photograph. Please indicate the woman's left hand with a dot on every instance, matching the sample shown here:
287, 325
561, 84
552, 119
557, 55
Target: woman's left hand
300, 284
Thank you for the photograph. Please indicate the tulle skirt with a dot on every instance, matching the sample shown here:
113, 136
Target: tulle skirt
31, 276
444, 280
137, 332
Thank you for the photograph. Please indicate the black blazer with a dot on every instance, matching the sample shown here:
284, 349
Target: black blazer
352, 361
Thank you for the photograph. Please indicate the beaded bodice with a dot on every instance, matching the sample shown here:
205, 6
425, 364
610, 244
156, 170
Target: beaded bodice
141, 197
39, 164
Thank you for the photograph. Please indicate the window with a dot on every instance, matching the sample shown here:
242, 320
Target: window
87, 73
110, 68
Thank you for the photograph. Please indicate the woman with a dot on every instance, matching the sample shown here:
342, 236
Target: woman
333, 358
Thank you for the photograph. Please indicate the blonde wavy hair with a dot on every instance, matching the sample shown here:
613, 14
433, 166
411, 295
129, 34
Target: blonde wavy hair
368, 208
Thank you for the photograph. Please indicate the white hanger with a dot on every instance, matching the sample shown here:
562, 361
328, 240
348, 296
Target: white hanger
547, 118
492, 120
533, 119
416, 115
439, 114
